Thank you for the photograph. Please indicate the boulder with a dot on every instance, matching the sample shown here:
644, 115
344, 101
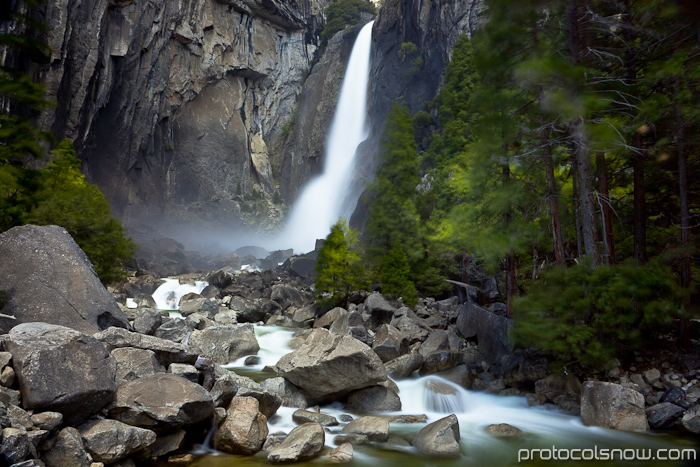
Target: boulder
167, 352
109, 441
163, 445
613, 406
303, 442
134, 363
225, 343
268, 400
162, 402
503, 430
221, 278
673, 395
146, 321
491, 330
439, 439
189, 372
402, 367
51, 363
327, 320
389, 343
195, 303
664, 415
436, 341
245, 429
691, 420
556, 385
304, 416
374, 428
68, 450
15, 446
290, 394
342, 454
440, 361
48, 421
373, 399
286, 295
328, 366
378, 311
246, 310
173, 329
48, 278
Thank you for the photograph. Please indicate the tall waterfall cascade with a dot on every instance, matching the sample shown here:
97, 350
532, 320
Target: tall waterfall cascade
321, 201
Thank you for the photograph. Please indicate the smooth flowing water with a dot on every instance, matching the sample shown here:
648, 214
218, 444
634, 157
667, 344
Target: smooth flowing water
319, 205
543, 427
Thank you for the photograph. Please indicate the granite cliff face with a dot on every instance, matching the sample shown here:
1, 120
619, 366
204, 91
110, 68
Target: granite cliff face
412, 78
176, 106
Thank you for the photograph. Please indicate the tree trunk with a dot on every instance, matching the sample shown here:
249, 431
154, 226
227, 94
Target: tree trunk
684, 338
577, 215
553, 200
585, 182
606, 209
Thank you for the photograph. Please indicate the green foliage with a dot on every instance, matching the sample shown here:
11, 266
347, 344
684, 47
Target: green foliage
287, 128
65, 199
394, 217
395, 276
343, 13
338, 267
277, 197
406, 49
591, 315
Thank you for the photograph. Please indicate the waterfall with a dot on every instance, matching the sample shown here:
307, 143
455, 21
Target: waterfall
319, 205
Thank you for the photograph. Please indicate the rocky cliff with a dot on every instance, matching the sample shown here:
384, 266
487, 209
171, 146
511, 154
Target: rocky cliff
177, 107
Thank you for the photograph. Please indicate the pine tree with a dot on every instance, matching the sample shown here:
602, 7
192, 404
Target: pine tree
395, 276
338, 268
66, 199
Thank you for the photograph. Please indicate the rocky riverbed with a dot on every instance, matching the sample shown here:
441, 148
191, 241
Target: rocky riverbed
90, 378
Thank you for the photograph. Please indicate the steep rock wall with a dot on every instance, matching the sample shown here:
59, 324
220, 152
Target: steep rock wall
415, 79
175, 104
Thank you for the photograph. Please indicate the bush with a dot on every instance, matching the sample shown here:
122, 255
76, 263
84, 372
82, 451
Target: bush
65, 199
590, 316
338, 267
344, 13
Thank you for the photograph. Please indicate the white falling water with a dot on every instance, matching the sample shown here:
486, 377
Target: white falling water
318, 207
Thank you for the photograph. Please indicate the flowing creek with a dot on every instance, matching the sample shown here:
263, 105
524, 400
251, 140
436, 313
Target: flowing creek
544, 427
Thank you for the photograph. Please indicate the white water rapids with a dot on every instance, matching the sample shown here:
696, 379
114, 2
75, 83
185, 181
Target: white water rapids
319, 205
543, 427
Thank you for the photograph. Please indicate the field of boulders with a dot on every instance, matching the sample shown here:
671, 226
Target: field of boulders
87, 381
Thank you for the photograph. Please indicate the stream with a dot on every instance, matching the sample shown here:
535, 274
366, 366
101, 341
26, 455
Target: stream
544, 427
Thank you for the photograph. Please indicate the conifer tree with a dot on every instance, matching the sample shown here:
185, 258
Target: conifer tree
338, 268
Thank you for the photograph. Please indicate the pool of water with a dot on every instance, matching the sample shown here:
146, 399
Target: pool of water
545, 428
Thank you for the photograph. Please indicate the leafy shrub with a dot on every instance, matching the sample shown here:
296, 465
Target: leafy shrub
66, 199
589, 316
344, 13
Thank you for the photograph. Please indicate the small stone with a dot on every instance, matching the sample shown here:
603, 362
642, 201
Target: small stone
652, 375
181, 459
7, 377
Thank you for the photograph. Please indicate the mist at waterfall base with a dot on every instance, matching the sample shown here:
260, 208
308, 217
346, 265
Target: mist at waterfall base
320, 203
543, 427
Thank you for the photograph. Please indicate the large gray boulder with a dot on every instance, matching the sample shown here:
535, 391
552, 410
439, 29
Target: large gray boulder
109, 441
328, 366
225, 343
613, 406
61, 370
491, 330
303, 442
245, 429
48, 278
167, 352
378, 311
403, 366
373, 399
290, 394
389, 343
68, 450
374, 428
135, 363
162, 402
439, 439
